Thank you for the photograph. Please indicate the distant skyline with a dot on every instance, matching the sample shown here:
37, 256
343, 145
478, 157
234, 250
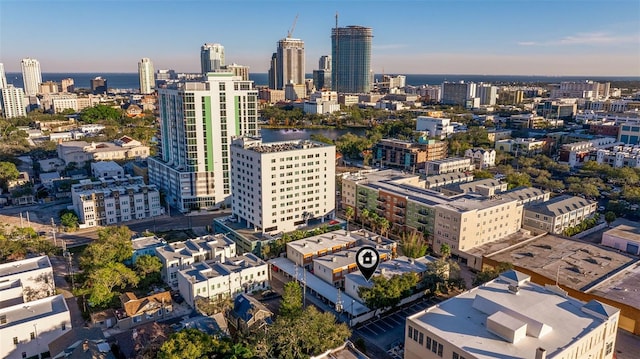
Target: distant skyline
493, 37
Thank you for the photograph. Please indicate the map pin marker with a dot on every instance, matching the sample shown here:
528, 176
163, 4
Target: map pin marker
367, 260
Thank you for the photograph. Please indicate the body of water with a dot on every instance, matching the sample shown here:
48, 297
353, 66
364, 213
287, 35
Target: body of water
276, 135
131, 81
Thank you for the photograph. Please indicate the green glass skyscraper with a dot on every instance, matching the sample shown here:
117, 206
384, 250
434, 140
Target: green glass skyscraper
351, 59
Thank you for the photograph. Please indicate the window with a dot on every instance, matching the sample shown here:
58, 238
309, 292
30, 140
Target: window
410, 331
421, 338
434, 346
428, 343
440, 350
609, 348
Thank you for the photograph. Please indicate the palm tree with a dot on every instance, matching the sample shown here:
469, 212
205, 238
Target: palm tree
445, 251
364, 216
349, 213
384, 225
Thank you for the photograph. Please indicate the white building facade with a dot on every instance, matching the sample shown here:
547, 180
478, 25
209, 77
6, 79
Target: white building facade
12, 101
31, 76
211, 58
279, 186
437, 127
115, 200
481, 158
146, 74
197, 122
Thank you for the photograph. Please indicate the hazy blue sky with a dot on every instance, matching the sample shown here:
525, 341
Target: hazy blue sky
552, 37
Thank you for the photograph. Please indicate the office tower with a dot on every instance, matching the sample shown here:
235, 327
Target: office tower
3, 77
99, 85
12, 101
67, 85
197, 121
322, 76
458, 93
31, 76
487, 94
279, 186
211, 58
288, 67
146, 74
351, 59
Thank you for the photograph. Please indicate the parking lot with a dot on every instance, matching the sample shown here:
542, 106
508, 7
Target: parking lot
387, 332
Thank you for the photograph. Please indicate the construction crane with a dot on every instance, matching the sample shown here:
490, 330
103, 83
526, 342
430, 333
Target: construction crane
293, 27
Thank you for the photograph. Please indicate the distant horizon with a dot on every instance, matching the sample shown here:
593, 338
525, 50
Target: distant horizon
375, 73
446, 37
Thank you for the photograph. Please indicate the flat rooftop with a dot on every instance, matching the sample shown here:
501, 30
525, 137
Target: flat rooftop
273, 147
396, 266
34, 310
622, 288
341, 238
552, 321
627, 229
576, 264
25, 265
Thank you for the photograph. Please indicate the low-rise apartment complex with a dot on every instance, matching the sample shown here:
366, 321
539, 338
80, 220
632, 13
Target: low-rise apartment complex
557, 214
124, 148
410, 156
115, 200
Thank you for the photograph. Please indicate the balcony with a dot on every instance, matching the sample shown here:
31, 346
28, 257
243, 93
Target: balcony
423, 212
423, 221
363, 193
401, 205
362, 200
399, 214
381, 199
381, 207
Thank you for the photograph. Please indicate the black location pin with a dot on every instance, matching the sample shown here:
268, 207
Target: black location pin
367, 260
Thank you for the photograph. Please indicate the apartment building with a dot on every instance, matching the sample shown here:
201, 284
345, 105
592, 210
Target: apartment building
115, 200
481, 158
279, 186
557, 214
228, 278
410, 156
449, 165
469, 221
197, 122
31, 315
521, 146
439, 128
177, 256
304, 251
620, 156
434, 182
124, 148
485, 186
579, 152
511, 317
145, 246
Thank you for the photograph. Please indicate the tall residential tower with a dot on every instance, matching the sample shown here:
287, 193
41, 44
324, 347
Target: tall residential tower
351, 59
197, 121
3, 77
31, 76
211, 58
287, 64
146, 74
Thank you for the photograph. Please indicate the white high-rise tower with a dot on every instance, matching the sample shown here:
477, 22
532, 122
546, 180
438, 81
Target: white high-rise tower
146, 74
31, 76
3, 77
197, 121
211, 58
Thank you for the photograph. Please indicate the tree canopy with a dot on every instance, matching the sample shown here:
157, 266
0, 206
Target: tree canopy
113, 245
103, 280
99, 113
291, 304
388, 292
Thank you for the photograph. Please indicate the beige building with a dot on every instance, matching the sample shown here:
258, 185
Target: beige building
449, 165
510, 317
124, 148
466, 223
557, 214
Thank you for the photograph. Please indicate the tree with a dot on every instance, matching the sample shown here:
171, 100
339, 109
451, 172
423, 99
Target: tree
445, 251
101, 282
383, 224
413, 245
388, 292
113, 245
148, 264
480, 174
517, 179
8, 172
349, 213
100, 113
309, 334
587, 189
188, 343
69, 219
610, 217
291, 305
364, 216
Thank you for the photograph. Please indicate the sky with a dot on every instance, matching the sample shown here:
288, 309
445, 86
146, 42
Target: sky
492, 37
